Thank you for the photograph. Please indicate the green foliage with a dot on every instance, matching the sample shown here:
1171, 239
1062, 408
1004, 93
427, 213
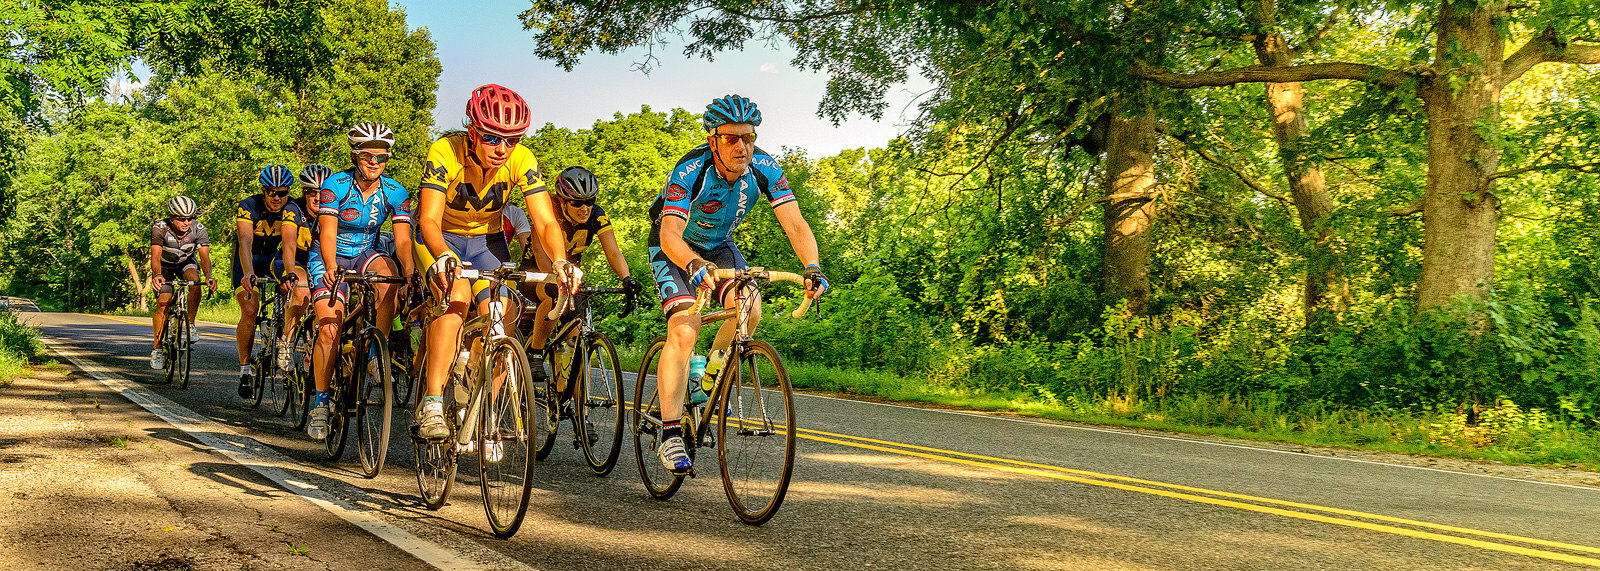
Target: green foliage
19, 347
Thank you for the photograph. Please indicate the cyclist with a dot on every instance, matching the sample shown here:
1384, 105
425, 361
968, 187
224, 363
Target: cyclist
259, 221
706, 197
465, 182
581, 222
299, 228
351, 207
179, 247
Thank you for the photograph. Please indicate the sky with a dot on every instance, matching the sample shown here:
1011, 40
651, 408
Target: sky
486, 44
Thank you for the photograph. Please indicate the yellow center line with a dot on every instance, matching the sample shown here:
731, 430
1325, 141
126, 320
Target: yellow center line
1097, 479
137, 322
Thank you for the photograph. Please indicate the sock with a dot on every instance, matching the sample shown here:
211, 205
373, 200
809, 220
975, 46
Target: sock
672, 429
428, 399
246, 370
322, 398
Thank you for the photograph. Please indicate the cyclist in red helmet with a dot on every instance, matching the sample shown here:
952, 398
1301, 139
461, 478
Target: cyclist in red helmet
467, 179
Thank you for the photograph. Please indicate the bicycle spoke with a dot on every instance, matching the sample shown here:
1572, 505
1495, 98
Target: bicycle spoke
755, 440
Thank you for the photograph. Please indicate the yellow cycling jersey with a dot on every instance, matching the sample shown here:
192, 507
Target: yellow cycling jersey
473, 204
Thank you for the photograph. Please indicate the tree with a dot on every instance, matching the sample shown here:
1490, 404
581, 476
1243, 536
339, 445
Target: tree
1460, 93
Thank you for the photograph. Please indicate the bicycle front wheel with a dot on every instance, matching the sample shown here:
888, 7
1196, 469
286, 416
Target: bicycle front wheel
374, 402
646, 423
185, 348
755, 433
334, 444
505, 460
169, 347
264, 363
599, 415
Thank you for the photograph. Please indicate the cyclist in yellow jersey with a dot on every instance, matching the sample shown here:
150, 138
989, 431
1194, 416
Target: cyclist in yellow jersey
466, 181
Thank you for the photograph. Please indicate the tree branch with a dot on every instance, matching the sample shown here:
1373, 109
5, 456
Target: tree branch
1587, 168
804, 17
1269, 74
1248, 181
1545, 47
1311, 42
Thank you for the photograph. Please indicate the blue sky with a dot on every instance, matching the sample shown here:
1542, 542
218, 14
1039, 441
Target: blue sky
486, 44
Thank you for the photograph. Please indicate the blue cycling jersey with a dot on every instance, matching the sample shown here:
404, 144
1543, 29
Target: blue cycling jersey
360, 218
713, 206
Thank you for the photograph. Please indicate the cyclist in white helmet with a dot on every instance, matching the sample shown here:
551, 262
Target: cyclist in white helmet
299, 227
179, 247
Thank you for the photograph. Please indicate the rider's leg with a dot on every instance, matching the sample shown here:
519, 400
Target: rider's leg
683, 329
245, 334
299, 296
387, 293
442, 332
193, 274
158, 320
330, 313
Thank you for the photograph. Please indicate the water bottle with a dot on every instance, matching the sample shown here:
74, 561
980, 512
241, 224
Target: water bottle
697, 371
713, 366
347, 358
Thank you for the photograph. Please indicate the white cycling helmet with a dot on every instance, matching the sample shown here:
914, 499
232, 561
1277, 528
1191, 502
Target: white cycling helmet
181, 207
313, 176
370, 135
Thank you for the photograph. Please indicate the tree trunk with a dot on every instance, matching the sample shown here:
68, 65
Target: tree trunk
1130, 206
140, 285
1326, 290
1459, 208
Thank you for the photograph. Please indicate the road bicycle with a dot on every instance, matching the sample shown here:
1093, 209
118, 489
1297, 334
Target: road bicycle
751, 406
175, 343
264, 359
587, 361
404, 341
361, 387
489, 403
296, 405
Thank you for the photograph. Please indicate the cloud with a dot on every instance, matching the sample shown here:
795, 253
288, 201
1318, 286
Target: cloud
769, 67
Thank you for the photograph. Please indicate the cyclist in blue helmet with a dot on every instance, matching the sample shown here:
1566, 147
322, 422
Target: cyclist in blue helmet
706, 197
259, 221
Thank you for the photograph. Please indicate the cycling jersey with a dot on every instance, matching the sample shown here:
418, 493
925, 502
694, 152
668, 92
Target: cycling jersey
712, 206
178, 247
472, 204
303, 227
267, 224
581, 235
358, 217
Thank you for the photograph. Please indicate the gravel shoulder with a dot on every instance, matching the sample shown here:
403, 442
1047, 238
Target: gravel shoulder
92, 481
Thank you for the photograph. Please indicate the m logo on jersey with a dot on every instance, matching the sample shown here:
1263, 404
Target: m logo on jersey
676, 193
467, 199
533, 176
433, 173
349, 214
711, 206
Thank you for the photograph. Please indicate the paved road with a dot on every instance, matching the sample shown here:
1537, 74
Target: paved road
881, 486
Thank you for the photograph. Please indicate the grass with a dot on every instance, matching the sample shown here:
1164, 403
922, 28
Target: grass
19, 347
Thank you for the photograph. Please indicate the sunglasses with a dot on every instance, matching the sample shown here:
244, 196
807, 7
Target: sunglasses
278, 194
182, 218
729, 138
581, 203
496, 139
371, 157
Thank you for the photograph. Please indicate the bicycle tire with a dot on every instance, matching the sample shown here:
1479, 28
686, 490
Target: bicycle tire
169, 349
334, 444
435, 461
258, 380
756, 436
505, 465
185, 348
598, 418
300, 381
548, 424
646, 425
374, 400
403, 363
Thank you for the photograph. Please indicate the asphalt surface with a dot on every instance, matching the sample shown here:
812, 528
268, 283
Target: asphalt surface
879, 486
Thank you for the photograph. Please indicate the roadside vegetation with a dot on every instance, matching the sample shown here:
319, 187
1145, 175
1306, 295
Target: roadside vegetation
19, 347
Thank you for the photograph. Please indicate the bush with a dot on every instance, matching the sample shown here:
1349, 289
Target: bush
19, 346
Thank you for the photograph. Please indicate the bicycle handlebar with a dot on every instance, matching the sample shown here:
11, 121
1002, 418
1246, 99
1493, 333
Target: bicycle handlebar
755, 273
351, 276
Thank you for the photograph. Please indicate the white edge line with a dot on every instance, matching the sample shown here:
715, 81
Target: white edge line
1192, 441
267, 462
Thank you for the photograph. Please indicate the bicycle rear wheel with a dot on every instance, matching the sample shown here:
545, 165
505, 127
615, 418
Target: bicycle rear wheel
646, 423
334, 444
402, 351
436, 460
169, 347
505, 465
755, 435
599, 396
374, 402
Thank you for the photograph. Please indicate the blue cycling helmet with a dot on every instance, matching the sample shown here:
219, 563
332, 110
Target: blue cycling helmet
276, 175
730, 109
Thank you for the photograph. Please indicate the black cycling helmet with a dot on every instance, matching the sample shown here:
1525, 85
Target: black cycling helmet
577, 183
730, 109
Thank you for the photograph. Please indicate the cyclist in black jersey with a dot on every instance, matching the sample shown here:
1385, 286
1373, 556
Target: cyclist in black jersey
259, 221
581, 221
180, 247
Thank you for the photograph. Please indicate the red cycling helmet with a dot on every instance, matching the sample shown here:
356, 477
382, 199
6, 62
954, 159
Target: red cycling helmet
497, 110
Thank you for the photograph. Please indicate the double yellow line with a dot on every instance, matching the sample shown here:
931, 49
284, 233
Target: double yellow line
1310, 512
147, 324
